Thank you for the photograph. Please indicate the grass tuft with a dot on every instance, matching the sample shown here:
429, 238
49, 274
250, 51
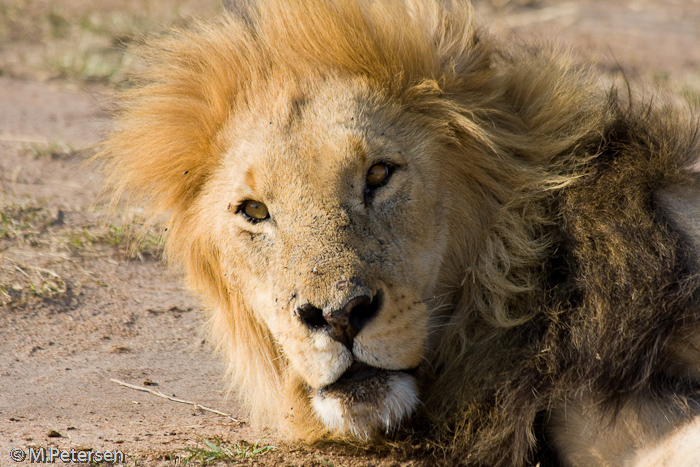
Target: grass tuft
55, 149
30, 282
216, 450
24, 221
124, 239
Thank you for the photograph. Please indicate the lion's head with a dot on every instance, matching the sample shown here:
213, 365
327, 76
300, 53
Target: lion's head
332, 243
335, 176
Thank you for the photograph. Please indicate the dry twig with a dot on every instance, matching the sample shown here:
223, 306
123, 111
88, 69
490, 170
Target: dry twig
174, 399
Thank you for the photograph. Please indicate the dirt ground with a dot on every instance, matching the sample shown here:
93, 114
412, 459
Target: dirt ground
81, 306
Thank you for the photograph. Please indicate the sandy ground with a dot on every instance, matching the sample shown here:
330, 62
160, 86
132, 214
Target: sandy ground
80, 308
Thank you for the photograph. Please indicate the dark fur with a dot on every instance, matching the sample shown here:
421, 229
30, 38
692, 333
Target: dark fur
621, 282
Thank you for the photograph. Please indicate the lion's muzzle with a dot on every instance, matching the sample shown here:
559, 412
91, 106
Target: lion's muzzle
363, 398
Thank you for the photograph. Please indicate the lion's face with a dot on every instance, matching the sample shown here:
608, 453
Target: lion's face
326, 218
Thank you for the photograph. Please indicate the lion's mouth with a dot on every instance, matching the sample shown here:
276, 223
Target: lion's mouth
357, 372
360, 382
366, 400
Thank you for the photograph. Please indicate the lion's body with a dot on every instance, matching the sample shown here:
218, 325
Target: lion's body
530, 246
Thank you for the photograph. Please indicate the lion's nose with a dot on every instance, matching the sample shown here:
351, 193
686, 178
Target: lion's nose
344, 323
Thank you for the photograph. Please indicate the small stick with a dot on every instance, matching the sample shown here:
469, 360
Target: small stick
12, 138
160, 394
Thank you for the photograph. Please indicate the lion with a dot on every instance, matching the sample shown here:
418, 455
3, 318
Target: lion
400, 224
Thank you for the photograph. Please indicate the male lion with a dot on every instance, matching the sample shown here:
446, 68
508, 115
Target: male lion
394, 219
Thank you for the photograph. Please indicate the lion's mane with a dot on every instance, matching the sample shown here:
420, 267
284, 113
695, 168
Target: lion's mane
556, 277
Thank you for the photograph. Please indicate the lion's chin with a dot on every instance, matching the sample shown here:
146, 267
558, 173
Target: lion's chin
366, 401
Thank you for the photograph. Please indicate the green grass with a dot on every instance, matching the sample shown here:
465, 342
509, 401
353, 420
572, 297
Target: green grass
53, 149
31, 222
26, 282
128, 239
24, 221
217, 450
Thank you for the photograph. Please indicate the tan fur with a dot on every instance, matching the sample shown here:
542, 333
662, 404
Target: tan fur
645, 433
290, 103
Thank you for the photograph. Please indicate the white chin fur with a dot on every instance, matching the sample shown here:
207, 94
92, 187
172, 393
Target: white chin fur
364, 419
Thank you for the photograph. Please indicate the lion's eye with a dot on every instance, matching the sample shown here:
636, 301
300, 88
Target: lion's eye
378, 175
253, 211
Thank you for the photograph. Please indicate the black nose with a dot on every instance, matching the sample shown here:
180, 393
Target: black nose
344, 323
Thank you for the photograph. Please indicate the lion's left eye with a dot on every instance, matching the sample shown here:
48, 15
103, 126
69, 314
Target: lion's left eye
378, 175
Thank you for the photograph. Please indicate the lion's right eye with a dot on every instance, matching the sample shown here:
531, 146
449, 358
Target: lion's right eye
253, 211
